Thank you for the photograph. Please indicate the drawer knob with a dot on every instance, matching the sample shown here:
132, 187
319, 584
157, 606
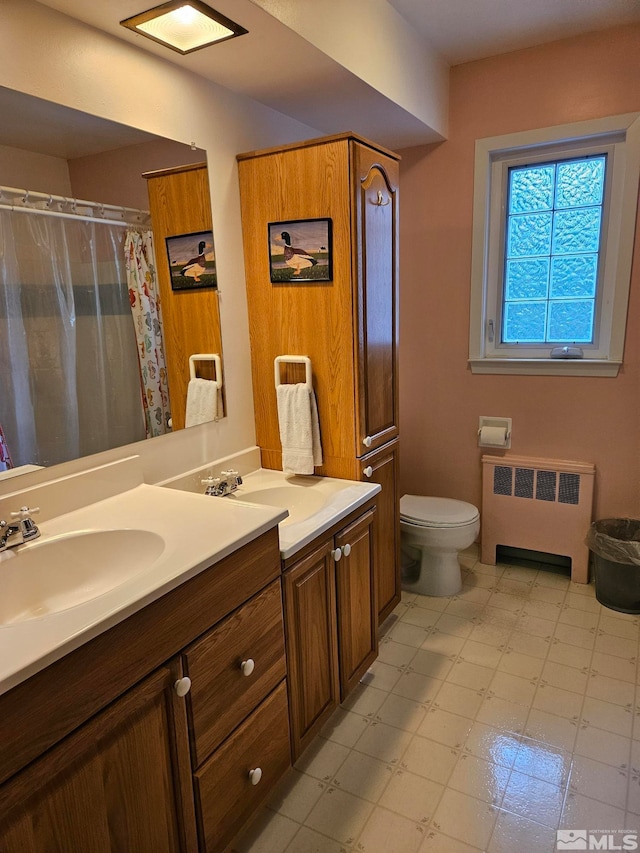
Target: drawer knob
337, 555
367, 441
247, 666
255, 775
182, 686
346, 549
368, 471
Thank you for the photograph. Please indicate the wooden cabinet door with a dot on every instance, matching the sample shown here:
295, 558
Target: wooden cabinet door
120, 782
382, 467
312, 655
376, 274
356, 601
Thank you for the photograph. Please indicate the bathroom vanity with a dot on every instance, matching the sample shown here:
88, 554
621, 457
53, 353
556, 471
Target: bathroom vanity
104, 735
163, 723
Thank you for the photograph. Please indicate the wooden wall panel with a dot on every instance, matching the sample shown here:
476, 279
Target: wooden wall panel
180, 203
303, 319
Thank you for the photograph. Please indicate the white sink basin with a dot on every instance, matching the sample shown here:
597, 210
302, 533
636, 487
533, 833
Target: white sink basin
314, 503
300, 501
48, 576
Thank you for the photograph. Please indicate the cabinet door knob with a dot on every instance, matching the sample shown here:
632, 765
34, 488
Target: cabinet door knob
346, 549
247, 666
368, 471
367, 440
182, 686
337, 555
255, 775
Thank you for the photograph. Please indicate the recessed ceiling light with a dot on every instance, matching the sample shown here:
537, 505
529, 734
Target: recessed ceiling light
184, 25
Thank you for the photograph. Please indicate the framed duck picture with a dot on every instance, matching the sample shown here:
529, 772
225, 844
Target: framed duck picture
300, 250
192, 261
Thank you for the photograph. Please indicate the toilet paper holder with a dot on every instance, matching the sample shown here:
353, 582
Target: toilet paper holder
494, 432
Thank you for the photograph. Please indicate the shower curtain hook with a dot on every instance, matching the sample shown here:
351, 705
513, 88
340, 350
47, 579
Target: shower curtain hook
50, 202
25, 197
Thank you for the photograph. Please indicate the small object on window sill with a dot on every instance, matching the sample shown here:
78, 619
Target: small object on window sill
567, 352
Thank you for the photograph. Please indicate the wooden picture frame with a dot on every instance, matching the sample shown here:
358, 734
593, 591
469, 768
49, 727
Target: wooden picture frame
300, 250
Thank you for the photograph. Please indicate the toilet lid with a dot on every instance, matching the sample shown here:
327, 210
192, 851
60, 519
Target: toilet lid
436, 512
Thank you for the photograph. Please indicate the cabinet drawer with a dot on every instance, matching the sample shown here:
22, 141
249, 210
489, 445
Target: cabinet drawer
221, 694
225, 794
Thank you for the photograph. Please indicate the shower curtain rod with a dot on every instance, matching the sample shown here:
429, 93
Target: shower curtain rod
29, 201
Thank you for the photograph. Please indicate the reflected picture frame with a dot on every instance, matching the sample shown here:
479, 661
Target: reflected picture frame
192, 261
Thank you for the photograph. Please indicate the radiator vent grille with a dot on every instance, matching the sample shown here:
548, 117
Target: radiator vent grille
569, 489
545, 485
502, 480
524, 483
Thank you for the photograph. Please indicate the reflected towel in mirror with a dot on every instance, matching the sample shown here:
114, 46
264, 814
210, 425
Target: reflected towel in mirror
202, 402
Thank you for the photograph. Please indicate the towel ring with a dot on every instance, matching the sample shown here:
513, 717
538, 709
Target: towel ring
204, 356
294, 359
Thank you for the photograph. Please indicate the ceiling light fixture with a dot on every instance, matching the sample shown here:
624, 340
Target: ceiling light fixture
184, 25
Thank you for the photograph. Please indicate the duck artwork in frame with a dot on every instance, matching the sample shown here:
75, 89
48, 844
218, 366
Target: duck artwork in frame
300, 250
192, 261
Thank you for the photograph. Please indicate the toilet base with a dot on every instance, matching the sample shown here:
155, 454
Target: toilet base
439, 573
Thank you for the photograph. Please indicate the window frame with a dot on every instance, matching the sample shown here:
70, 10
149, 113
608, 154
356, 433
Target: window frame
619, 138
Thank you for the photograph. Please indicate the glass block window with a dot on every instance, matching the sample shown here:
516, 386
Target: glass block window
554, 229
552, 246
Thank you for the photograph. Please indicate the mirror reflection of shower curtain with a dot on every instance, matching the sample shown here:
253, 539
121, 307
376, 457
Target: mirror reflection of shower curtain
144, 298
69, 379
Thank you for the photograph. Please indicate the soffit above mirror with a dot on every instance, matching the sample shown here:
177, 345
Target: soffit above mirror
291, 73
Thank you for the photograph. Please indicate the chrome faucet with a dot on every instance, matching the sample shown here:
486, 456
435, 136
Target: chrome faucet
227, 482
14, 533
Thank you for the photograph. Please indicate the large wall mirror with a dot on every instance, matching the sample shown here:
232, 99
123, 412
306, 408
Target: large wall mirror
85, 362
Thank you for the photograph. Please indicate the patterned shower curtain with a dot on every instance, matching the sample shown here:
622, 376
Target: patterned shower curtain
145, 308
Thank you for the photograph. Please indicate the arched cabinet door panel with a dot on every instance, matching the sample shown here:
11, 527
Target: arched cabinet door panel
376, 279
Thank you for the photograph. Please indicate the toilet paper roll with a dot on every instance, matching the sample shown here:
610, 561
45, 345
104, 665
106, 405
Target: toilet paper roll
492, 436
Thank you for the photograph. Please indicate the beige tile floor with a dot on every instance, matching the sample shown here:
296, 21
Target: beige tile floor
489, 720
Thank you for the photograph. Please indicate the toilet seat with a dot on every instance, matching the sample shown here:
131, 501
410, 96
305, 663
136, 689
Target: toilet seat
436, 512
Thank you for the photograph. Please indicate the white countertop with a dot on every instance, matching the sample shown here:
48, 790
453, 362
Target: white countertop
198, 531
314, 503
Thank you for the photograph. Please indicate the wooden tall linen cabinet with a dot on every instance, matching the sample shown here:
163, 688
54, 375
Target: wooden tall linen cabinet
347, 326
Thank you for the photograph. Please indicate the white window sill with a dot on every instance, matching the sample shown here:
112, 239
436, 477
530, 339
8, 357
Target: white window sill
545, 366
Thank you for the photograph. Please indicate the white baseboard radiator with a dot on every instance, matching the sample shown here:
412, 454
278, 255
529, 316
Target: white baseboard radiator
539, 505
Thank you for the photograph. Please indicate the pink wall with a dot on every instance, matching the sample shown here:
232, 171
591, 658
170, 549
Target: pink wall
588, 419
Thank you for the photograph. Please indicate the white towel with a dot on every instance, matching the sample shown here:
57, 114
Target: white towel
299, 429
202, 402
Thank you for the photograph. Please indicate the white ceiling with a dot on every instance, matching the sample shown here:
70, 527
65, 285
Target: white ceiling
464, 30
276, 66
58, 131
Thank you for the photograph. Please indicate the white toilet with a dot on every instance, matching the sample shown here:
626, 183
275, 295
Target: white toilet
433, 531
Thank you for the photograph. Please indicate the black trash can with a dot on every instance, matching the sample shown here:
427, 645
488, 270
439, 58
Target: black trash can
615, 544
